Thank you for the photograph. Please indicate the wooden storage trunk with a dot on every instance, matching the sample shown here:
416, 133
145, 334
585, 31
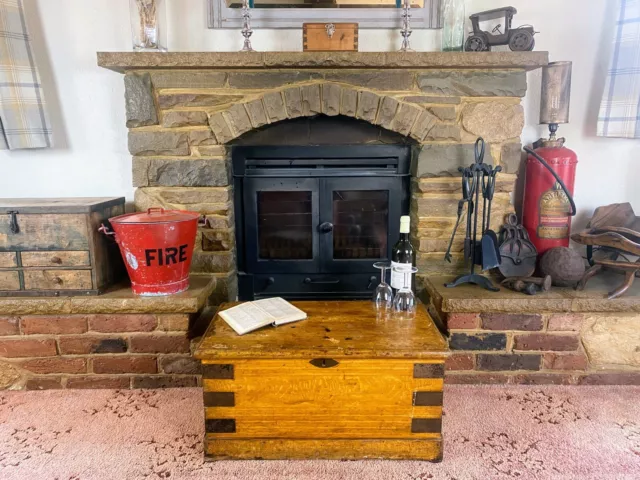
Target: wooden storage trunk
51, 246
330, 37
339, 385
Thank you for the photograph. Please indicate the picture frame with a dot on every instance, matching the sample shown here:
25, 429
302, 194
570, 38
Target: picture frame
219, 15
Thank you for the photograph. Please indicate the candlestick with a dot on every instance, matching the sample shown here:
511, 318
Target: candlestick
246, 26
406, 26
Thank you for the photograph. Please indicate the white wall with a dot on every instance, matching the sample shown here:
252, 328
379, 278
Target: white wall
87, 107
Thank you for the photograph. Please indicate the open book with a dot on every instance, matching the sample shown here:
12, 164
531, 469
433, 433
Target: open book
250, 316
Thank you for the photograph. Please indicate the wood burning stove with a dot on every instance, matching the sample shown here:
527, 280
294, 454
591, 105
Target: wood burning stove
312, 220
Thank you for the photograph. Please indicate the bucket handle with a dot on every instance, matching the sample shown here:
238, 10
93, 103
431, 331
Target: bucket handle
155, 210
104, 229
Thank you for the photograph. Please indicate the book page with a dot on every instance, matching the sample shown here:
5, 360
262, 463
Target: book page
281, 310
246, 318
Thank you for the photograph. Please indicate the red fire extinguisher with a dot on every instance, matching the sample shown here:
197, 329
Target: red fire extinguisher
551, 167
548, 194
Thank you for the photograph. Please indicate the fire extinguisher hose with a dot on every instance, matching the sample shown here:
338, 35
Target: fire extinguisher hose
555, 175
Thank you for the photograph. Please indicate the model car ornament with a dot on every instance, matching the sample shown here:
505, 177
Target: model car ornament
519, 39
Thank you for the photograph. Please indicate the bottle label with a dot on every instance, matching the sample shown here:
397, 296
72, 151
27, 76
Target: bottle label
398, 277
555, 211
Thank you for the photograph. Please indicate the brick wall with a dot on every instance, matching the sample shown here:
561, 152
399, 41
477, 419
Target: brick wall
526, 349
96, 351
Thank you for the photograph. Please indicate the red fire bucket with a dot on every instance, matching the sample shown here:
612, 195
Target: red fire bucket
156, 247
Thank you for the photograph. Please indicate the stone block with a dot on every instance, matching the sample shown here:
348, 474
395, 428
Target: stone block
426, 99
349, 104
139, 102
213, 172
217, 240
257, 114
220, 219
173, 100
238, 119
274, 106
158, 143
214, 200
293, 102
331, 97
474, 83
394, 80
425, 122
441, 132
188, 79
511, 157
386, 112
504, 184
444, 160
435, 206
480, 341
184, 118
493, 121
179, 364
565, 322
173, 322
612, 339
311, 104
446, 114
367, 106
501, 362
544, 341
226, 289
201, 137
213, 262
405, 118
506, 321
565, 361
10, 375
462, 321
263, 80
460, 361
213, 150
220, 128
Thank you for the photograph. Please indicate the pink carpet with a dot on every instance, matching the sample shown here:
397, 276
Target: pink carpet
490, 432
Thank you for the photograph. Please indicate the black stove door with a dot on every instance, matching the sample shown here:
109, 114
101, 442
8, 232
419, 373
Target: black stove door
281, 219
359, 222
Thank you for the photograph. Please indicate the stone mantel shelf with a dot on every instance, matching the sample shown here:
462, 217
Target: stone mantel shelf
123, 61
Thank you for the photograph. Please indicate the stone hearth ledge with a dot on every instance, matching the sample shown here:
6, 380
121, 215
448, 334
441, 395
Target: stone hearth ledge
123, 61
471, 299
119, 299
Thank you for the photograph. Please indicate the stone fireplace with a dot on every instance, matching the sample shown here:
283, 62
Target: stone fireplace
186, 110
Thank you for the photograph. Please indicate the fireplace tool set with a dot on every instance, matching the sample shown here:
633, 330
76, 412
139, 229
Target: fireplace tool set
476, 179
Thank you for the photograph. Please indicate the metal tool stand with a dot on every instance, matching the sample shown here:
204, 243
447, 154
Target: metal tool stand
472, 178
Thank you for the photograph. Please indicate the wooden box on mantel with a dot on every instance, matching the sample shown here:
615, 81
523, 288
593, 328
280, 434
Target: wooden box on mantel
330, 37
51, 246
341, 384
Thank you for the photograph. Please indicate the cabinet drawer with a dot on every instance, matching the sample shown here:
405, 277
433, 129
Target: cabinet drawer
9, 281
55, 259
348, 399
57, 279
8, 260
45, 232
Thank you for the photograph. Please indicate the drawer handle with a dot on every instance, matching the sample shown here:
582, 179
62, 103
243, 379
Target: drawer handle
324, 362
56, 260
308, 281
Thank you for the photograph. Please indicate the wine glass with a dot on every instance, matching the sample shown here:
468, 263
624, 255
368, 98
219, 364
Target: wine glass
405, 301
383, 295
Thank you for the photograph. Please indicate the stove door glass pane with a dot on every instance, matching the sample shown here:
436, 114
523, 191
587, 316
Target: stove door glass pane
360, 224
285, 229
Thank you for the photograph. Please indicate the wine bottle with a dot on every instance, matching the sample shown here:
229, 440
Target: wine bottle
402, 255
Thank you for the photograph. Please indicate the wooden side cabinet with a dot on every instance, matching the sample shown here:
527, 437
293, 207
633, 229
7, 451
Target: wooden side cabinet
51, 246
339, 385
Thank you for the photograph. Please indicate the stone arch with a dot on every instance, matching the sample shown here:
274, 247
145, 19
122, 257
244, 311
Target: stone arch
323, 98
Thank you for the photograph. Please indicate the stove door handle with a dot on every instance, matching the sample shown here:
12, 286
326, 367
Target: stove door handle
308, 281
326, 227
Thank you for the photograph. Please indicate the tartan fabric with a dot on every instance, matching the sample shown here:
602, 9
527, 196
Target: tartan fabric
24, 122
620, 109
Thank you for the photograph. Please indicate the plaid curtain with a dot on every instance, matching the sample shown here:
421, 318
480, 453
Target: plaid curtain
24, 122
620, 108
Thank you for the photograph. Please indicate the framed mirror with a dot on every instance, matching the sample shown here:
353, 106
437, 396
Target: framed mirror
293, 13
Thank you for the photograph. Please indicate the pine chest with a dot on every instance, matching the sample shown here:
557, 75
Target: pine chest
338, 385
51, 246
